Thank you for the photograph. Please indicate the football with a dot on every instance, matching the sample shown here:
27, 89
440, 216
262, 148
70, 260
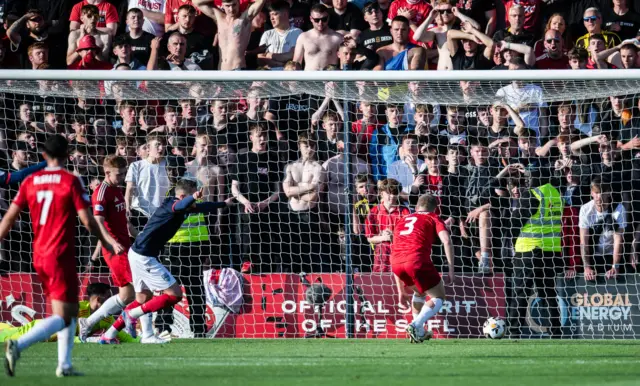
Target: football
494, 328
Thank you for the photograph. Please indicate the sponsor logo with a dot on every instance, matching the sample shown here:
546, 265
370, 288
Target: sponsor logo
99, 208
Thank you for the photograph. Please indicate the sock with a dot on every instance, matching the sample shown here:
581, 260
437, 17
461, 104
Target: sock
41, 331
427, 313
146, 325
484, 258
153, 305
119, 324
112, 306
65, 344
417, 299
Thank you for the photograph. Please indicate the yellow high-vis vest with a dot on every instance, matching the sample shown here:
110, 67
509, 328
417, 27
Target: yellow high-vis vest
544, 229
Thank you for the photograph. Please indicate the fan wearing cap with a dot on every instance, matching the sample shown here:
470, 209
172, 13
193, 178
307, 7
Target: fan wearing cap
77, 38
88, 59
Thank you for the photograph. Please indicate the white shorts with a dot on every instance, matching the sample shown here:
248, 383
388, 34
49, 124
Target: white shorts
148, 273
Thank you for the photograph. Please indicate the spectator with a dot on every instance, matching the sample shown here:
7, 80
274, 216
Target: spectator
147, 182
102, 40
378, 34
624, 56
365, 200
128, 115
472, 56
198, 47
554, 57
528, 100
400, 55
531, 12
29, 29
415, 11
516, 27
202, 23
483, 11
153, 12
123, 54
593, 23
364, 127
304, 181
328, 137
383, 148
139, 40
620, 19
256, 185
510, 50
233, 43
346, 18
446, 16
175, 59
381, 221
578, 58
38, 54
106, 19
556, 22
280, 42
318, 47
406, 169
602, 228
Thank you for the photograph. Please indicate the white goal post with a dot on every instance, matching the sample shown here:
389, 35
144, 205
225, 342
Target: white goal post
309, 230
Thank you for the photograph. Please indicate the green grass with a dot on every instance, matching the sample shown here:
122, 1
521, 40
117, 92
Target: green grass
340, 362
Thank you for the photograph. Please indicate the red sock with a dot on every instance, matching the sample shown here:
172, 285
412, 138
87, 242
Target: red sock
159, 302
132, 305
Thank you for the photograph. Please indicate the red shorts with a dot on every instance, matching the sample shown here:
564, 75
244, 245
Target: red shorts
59, 278
119, 267
422, 274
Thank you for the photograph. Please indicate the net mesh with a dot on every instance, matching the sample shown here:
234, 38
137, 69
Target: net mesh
297, 220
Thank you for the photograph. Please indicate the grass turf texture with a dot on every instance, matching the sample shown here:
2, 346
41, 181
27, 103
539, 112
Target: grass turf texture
340, 362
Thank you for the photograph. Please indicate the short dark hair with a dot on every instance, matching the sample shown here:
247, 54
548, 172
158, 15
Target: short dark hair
279, 6
597, 37
401, 19
122, 65
427, 201
319, 8
578, 53
121, 41
56, 147
410, 136
186, 185
187, 7
363, 177
134, 10
518, 61
98, 289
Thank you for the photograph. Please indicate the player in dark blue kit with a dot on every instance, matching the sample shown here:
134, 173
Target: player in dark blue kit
148, 273
8, 178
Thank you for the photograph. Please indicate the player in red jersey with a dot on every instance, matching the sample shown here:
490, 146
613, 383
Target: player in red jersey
110, 212
411, 263
53, 196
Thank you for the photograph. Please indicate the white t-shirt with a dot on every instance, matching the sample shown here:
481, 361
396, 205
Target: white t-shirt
527, 101
152, 6
589, 217
280, 43
401, 172
152, 184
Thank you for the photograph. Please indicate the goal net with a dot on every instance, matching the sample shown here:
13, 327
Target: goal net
535, 174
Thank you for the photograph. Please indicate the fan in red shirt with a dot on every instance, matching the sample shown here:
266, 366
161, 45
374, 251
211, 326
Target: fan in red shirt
87, 48
553, 57
411, 263
381, 220
53, 197
108, 16
110, 212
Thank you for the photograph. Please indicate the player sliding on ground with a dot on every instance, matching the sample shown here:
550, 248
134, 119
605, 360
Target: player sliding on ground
412, 266
53, 196
148, 274
110, 212
97, 293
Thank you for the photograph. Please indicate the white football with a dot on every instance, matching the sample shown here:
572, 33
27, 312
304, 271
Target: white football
494, 328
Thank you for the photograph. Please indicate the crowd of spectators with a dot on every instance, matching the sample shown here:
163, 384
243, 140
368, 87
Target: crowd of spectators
282, 158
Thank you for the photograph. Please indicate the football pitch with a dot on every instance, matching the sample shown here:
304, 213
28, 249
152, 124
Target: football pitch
340, 362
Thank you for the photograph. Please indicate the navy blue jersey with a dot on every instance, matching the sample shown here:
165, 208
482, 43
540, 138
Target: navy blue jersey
8, 178
166, 221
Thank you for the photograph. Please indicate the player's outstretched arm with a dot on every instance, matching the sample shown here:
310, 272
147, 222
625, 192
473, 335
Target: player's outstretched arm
448, 250
92, 226
8, 220
20, 175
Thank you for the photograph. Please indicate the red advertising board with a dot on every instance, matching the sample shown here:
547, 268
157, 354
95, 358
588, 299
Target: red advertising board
276, 306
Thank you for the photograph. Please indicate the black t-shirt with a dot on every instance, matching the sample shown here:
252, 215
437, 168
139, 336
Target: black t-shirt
243, 124
524, 38
475, 9
198, 48
629, 22
258, 173
299, 15
351, 19
477, 62
141, 47
375, 39
57, 50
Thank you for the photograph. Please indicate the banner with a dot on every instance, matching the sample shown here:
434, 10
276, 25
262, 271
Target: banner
279, 306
